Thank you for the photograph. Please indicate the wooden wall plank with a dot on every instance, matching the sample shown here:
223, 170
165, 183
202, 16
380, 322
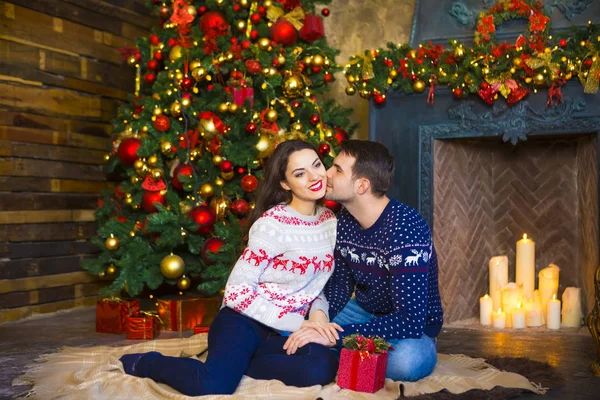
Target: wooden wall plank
15, 251
38, 267
28, 284
13, 314
44, 136
53, 231
63, 124
50, 169
29, 184
49, 152
43, 216
15, 201
135, 12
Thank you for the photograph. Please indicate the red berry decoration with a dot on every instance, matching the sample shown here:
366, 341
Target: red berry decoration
324, 149
211, 245
325, 12
315, 69
226, 166
253, 35
340, 135
327, 77
152, 64
314, 119
154, 40
379, 99
205, 217
241, 170
187, 83
239, 207
181, 169
214, 23
563, 42
127, 151
255, 18
162, 123
458, 93
202, 10
332, 205
149, 198
283, 32
251, 128
249, 183
149, 78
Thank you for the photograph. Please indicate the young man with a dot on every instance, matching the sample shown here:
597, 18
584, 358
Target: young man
384, 255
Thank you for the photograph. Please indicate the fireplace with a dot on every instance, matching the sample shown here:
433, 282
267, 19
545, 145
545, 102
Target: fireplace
483, 176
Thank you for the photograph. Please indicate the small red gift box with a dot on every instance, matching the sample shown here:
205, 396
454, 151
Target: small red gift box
112, 314
201, 329
312, 29
184, 313
240, 95
143, 326
362, 372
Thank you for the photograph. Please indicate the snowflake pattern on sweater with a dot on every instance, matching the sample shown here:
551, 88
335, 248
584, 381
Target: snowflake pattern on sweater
281, 274
392, 269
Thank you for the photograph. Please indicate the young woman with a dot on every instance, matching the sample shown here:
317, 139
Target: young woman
277, 282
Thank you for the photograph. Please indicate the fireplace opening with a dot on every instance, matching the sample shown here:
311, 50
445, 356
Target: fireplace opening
487, 194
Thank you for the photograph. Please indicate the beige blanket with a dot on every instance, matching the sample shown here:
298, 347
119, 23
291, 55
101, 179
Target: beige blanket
97, 373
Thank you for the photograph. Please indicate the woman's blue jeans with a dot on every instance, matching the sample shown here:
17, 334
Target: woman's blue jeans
237, 346
411, 359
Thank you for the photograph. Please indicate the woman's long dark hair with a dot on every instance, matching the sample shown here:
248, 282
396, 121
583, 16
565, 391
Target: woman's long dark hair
270, 192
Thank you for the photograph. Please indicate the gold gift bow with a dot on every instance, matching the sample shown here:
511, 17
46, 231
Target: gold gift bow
592, 81
543, 60
295, 17
367, 64
505, 84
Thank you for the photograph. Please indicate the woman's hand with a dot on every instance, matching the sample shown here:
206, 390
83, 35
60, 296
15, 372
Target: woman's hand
329, 330
304, 336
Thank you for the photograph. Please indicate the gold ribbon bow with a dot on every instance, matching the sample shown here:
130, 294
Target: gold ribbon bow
592, 81
151, 314
543, 60
295, 17
367, 64
504, 84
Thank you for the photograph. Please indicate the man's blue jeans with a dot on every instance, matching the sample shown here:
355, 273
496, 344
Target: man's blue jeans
411, 359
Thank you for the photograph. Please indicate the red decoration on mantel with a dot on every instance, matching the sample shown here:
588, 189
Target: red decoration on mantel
312, 29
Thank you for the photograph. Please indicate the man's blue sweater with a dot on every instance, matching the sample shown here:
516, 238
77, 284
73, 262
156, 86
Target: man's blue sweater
392, 269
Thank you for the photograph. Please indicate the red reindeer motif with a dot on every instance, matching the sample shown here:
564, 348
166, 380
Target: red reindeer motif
280, 262
328, 263
258, 258
302, 266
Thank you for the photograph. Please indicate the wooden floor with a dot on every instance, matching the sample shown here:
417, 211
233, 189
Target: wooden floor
21, 342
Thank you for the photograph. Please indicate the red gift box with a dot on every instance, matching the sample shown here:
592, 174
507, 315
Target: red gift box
362, 372
201, 329
184, 313
143, 326
240, 95
112, 314
312, 29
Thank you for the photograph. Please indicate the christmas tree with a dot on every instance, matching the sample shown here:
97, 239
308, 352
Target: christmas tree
219, 84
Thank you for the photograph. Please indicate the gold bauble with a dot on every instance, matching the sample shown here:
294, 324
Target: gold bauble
365, 94
329, 135
129, 200
179, 76
393, 74
206, 191
246, 3
512, 70
485, 71
267, 3
350, 91
271, 115
419, 86
220, 205
264, 43
152, 161
175, 108
582, 43
241, 26
156, 96
223, 107
307, 60
166, 147
350, 78
233, 107
138, 165
198, 73
227, 175
192, 11
101, 274
468, 78
184, 283
297, 126
307, 93
412, 54
459, 53
209, 126
264, 146
172, 266
157, 111
517, 62
186, 102
176, 53
134, 180
280, 60
219, 182
111, 271
157, 174
539, 79
171, 74
112, 243
318, 60
293, 86
217, 160
194, 64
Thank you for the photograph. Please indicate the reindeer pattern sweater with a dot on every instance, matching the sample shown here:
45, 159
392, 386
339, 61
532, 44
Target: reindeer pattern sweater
281, 274
392, 269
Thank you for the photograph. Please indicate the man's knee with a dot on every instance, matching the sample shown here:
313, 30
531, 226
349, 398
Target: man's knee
412, 359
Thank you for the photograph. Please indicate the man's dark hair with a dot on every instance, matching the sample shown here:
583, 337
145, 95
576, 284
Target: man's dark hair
372, 161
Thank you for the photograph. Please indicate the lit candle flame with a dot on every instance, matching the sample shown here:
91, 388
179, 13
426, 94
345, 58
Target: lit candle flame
518, 305
524, 236
499, 311
554, 296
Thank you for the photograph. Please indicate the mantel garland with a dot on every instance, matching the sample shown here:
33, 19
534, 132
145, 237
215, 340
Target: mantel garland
488, 69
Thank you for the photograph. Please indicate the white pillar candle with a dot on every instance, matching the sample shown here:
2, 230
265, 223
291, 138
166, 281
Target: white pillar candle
499, 319
485, 310
498, 267
511, 297
533, 310
518, 317
571, 307
548, 285
553, 314
525, 265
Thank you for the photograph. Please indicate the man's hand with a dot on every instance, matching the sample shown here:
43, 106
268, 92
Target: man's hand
304, 336
329, 330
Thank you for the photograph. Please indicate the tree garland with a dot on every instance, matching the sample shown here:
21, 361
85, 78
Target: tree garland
488, 69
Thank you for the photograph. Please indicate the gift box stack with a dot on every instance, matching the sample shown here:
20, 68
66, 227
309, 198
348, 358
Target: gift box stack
112, 314
363, 363
185, 313
144, 326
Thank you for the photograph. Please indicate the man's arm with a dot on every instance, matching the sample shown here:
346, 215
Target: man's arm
340, 286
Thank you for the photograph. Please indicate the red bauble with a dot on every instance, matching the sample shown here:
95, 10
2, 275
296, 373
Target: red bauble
249, 183
283, 32
340, 135
226, 166
149, 78
158, 56
162, 123
205, 217
314, 119
563, 42
211, 245
152, 64
458, 93
315, 69
327, 77
171, 42
379, 99
413, 77
149, 198
214, 23
325, 12
253, 34
127, 151
154, 40
236, 8
246, 44
239, 207
324, 149
202, 10
181, 169
332, 205
251, 128
262, 10
187, 83
255, 18
588, 63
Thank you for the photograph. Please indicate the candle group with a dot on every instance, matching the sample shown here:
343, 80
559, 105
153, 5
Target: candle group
517, 304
